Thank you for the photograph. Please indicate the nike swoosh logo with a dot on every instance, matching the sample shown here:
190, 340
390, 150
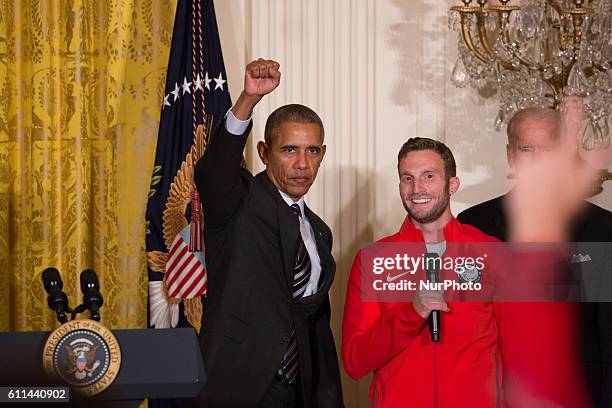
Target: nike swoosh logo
396, 277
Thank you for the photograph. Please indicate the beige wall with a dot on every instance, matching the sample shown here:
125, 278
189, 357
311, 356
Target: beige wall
378, 72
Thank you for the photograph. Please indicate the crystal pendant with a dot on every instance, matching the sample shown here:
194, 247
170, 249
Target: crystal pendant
459, 77
491, 22
588, 140
499, 120
548, 72
576, 82
606, 50
538, 54
530, 19
454, 20
601, 131
553, 45
499, 50
605, 143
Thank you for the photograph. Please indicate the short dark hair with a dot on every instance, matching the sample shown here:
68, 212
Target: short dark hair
290, 113
533, 113
417, 144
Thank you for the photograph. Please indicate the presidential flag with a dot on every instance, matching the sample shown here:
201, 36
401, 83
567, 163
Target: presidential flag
196, 98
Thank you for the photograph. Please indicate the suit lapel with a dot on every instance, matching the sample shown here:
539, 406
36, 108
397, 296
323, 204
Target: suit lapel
500, 218
288, 227
323, 248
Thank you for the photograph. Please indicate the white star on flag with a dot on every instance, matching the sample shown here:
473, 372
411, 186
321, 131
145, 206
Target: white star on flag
186, 86
220, 81
208, 81
175, 92
198, 84
166, 102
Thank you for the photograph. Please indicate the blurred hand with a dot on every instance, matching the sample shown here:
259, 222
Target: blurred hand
550, 191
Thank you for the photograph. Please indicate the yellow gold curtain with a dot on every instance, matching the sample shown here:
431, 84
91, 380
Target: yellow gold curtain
81, 83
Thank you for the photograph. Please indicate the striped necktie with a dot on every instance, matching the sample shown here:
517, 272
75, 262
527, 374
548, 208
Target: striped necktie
301, 276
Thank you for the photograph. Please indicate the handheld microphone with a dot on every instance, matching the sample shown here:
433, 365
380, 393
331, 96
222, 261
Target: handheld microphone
432, 273
57, 299
92, 299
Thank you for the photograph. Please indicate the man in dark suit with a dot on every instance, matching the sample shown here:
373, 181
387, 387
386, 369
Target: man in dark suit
531, 133
266, 338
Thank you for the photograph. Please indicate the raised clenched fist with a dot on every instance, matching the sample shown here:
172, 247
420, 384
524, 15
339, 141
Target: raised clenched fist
261, 77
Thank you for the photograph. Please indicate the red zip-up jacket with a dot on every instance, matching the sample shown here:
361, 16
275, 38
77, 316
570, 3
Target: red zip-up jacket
464, 369
391, 339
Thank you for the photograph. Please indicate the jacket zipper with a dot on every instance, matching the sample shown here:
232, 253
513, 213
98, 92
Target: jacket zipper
497, 383
435, 375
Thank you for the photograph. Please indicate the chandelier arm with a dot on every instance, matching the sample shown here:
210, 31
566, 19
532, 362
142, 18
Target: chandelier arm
554, 89
467, 38
503, 15
482, 33
562, 41
506, 40
503, 18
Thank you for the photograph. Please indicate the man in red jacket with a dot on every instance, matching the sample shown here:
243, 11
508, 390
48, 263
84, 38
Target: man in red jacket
390, 338
464, 368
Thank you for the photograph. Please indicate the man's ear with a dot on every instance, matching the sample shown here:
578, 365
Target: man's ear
262, 150
453, 185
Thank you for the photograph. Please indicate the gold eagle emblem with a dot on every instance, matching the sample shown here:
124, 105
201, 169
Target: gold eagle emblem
174, 220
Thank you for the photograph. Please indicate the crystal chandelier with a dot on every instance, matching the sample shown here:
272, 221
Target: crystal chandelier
534, 53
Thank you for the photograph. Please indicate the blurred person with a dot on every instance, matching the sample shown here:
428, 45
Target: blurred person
534, 135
